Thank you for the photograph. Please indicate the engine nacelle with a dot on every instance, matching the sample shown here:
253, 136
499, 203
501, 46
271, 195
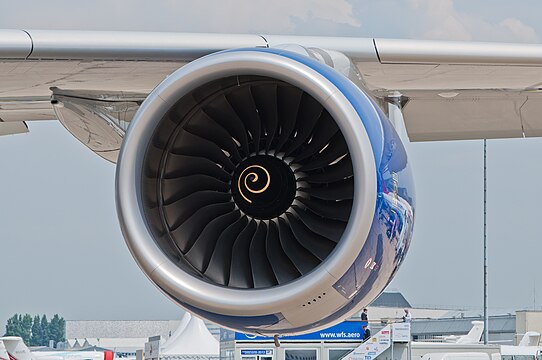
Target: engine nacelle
265, 192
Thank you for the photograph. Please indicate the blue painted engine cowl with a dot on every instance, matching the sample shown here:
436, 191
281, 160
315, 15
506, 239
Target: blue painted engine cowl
264, 191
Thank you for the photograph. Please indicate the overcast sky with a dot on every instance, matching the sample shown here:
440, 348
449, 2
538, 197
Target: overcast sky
62, 251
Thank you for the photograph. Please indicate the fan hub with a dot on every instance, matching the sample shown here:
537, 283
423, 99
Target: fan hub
263, 186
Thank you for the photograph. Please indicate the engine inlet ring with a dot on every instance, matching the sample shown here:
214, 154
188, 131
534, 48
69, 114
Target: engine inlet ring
171, 275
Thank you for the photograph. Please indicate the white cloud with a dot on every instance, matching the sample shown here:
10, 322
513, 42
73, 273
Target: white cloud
519, 29
226, 16
444, 21
275, 16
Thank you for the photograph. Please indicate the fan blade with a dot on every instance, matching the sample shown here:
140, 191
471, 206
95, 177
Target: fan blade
289, 98
262, 272
203, 126
336, 210
336, 172
243, 104
187, 233
221, 111
192, 145
200, 253
330, 229
302, 259
283, 268
265, 97
221, 260
180, 165
318, 245
179, 211
323, 132
241, 273
309, 112
175, 189
336, 149
339, 190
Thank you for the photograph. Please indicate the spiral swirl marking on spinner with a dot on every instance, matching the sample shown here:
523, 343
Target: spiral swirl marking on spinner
254, 177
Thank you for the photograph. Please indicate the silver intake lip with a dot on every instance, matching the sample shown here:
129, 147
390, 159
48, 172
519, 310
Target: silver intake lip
171, 273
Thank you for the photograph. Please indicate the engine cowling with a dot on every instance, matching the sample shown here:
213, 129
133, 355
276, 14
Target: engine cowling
264, 191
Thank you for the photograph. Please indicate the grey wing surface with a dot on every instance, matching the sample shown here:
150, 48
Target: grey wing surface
105, 75
33, 61
459, 90
452, 90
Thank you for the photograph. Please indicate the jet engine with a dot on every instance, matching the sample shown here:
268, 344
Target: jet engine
262, 190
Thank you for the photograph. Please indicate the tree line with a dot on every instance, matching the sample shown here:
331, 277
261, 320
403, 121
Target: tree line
37, 330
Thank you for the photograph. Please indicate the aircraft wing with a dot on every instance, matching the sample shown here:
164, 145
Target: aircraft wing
461, 90
455, 90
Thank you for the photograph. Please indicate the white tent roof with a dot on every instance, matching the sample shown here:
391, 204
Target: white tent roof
191, 338
3, 351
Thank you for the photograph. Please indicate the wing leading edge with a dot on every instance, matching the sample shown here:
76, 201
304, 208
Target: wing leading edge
457, 90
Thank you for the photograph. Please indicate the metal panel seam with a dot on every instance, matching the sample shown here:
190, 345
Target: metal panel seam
376, 51
521, 116
264, 39
31, 44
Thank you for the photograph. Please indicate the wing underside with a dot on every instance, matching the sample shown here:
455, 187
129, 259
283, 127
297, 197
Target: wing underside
456, 90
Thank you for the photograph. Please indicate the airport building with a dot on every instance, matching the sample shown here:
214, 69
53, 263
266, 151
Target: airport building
126, 337
502, 328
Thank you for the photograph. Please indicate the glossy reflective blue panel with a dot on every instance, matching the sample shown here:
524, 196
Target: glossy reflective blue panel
391, 230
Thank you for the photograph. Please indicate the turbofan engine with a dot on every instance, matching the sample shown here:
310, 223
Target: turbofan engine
262, 190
